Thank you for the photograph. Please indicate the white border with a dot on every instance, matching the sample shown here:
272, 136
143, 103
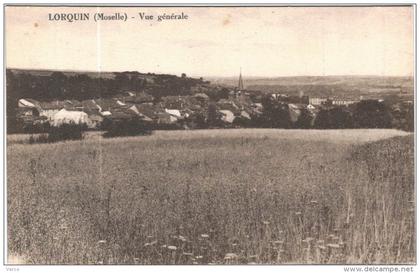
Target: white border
244, 268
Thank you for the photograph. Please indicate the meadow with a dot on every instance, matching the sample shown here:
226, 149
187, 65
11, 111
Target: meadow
246, 196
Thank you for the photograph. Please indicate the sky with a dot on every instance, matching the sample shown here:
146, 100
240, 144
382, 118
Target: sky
217, 41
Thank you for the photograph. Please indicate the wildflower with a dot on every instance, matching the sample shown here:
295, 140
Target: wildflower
231, 256
308, 239
205, 235
187, 253
153, 242
182, 238
314, 202
102, 241
298, 213
333, 245
322, 247
172, 247
199, 257
266, 222
277, 242
163, 246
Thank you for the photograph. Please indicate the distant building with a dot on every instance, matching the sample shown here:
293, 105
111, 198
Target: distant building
317, 101
241, 82
342, 102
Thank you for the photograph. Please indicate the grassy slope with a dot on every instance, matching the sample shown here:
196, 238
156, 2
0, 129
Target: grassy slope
256, 193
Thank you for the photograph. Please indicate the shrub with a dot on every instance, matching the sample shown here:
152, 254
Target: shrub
126, 127
61, 133
66, 132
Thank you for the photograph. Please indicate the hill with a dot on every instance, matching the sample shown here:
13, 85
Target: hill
326, 86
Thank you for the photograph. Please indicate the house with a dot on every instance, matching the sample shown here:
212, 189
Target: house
129, 93
245, 114
317, 101
93, 110
141, 115
50, 109
141, 97
121, 114
227, 116
174, 113
149, 111
120, 103
69, 117
28, 108
28, 103
107, 104
342, 102
310, 107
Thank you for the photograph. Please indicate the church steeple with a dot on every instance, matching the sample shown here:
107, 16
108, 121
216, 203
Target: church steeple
241, 83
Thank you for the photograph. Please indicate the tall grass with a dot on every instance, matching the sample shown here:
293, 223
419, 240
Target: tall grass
224, 200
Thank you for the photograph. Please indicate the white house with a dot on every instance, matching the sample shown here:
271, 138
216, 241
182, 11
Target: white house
25, 104
228, 116
66, 117
174, 112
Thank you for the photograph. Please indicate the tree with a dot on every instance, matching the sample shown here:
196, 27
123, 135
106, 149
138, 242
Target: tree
275, 114
334, 118
12, 98
213, 116
304, 120
372, 114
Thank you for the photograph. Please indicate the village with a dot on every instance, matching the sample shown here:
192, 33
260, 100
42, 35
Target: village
236, 107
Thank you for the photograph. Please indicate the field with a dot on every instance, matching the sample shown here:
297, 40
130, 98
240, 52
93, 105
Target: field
241, 196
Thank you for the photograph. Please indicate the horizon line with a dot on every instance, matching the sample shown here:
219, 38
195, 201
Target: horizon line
210, 76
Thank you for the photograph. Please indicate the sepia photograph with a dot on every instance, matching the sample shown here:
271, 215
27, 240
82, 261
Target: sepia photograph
210, 135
